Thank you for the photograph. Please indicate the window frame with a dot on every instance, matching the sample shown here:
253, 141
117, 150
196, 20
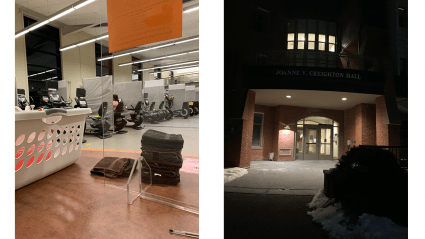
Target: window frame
261, 131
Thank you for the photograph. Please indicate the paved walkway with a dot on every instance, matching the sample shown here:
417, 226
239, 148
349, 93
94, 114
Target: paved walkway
302, 177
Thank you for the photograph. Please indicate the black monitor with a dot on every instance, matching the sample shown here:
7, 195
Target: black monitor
20, 91
81, 92
52, 84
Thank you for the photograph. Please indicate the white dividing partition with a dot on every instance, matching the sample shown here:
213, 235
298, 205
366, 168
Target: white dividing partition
98, 90
63, 89
190, 93
155, 90
197, 94
178, 91
129, 92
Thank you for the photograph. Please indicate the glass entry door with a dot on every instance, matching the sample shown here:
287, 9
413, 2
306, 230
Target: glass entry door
317, 142
325, 144
311, 141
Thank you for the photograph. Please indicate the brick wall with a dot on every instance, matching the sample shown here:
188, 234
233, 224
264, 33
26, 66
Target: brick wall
360, 125
248, 124
381, 122
285, 142
353, 127
368, 124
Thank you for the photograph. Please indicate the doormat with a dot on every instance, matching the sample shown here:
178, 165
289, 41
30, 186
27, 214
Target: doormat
190, 165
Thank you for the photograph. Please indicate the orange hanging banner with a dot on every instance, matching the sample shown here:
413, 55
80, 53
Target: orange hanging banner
133, 23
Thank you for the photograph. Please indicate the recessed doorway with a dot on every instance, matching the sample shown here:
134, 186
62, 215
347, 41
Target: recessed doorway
316, 139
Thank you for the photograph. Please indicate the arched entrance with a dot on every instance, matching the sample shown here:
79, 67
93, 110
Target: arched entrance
316, 138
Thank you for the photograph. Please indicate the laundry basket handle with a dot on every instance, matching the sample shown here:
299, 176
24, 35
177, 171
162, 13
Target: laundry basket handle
52, 111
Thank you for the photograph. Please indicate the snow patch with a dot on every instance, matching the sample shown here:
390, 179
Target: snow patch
231, 174
336, 223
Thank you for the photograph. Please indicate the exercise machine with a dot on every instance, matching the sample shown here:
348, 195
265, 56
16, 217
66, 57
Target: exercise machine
100, 124
22, 100
136, 117
119, 119
184, 112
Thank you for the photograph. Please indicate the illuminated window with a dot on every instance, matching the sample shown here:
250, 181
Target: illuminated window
322, 40
290, 41
331, 43
301, 39
311, 39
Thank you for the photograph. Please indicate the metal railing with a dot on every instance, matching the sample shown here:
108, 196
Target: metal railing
400, 152
315, 59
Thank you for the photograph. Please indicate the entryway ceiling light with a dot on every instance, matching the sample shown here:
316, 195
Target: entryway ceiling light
53, 17
287, 127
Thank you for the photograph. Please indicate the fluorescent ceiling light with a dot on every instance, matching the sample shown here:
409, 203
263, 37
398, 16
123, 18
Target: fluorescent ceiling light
22, 33
39, 25
344, 98
184, 63
67, 48
71, 9
122, 55
181, 67
86, 42
107, 58
147, 49
191, 10
180, 42
288, 96
62, 14
155, 59
84, 3
156, 47
102, 37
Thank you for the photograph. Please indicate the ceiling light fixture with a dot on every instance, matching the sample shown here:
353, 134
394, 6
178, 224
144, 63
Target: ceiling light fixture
93, 39
191, 9
53, 17
184, 63
288, 96
155, 59
175, 68
344, 98
151, 48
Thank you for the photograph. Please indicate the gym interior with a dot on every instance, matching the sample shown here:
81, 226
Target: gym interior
106, 131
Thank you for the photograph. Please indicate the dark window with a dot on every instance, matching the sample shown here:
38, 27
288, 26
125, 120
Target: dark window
43, 58
261, 20
103, 68
257, 130
402, 17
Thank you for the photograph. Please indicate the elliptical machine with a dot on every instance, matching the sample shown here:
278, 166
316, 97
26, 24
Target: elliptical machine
136, 117
100, 124
184, 112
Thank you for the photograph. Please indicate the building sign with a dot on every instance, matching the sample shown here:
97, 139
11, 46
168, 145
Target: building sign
318, 74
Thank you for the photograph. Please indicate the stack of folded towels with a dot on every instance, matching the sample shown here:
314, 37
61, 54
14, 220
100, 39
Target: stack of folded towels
113, 167
162, 153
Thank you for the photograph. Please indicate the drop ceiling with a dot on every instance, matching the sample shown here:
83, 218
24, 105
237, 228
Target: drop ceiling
312, 99
95, 13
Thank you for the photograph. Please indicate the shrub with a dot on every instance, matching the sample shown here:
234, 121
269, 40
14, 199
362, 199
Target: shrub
369, 180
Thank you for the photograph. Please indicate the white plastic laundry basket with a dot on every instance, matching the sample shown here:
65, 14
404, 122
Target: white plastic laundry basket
46, 142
